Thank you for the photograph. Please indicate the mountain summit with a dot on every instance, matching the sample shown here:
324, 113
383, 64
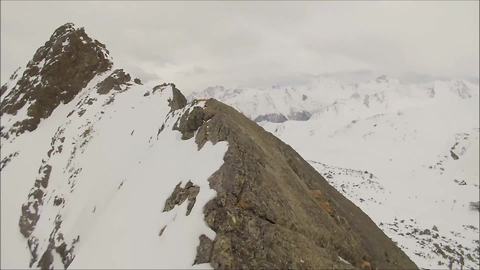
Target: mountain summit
57, 72
102, 171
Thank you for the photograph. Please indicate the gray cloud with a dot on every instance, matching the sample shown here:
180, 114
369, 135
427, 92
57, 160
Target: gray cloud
197, 44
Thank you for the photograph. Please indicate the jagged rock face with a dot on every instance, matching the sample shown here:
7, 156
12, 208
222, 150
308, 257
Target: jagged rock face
178, 100
190, 122
274, 211
118, 80
179, 195
57, 72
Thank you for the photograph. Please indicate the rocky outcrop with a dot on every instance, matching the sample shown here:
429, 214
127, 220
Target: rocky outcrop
118, 80
58, 71
453, 155
56, 243
179, 195
190, 122
271, 117
178, 100
31, 209
274, 211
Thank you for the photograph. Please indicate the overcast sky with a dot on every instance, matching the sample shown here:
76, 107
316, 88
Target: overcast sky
198, 44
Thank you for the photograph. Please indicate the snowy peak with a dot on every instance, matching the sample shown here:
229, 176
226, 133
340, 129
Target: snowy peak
57, 72
63, 30
67, 39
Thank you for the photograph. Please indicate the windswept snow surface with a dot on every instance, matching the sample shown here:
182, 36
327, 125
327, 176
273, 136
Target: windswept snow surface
114, 161
406, 154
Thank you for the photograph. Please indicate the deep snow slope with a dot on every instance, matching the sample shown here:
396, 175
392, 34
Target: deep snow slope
406, 154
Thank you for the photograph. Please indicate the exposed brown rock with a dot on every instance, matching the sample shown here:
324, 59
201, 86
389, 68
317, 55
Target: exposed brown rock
274, 211
115, 81
179, 195
56, 243
190, 122
159, 87
178, 100
162, 230
453, 155
204, 250
57, 72
30, 209
6, 159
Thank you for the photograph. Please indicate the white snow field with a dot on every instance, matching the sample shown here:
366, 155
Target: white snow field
121, 169
406, 154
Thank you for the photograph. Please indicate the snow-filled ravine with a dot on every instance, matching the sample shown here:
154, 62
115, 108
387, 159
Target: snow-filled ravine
110, 162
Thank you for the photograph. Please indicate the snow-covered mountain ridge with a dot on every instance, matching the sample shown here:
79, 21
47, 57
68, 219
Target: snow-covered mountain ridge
417, 144
106, 120
99, 170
